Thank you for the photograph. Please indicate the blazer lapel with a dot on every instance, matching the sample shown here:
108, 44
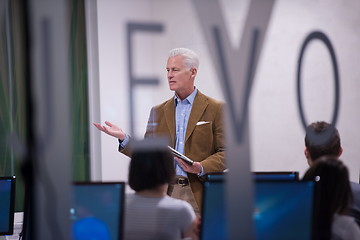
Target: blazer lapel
199, 106
170, 119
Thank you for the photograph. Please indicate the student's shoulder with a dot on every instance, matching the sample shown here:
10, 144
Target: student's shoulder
345, 227
176, 203
180, 208
355, 187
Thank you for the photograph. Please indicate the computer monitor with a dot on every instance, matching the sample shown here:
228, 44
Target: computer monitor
98, 210
213, 213
287, 175
283, 210
7, 205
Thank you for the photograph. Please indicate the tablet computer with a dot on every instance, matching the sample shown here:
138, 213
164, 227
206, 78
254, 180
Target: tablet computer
181, 156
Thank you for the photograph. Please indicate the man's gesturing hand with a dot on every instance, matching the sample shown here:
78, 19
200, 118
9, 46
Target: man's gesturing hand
111, 130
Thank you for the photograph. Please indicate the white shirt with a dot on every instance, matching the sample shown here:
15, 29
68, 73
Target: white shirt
156, 218
344, 228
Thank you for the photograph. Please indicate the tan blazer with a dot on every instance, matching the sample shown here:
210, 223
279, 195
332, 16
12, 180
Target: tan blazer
204, 139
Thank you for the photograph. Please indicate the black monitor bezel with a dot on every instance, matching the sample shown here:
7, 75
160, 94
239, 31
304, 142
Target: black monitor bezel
217, 175
296, 173
122, 204
12, 205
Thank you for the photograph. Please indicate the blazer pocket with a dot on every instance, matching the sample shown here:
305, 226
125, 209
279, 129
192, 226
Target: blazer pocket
203, 131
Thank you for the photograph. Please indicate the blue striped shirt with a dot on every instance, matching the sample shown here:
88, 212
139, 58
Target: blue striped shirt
182, 114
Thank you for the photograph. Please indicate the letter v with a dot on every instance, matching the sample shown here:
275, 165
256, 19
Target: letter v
235, 67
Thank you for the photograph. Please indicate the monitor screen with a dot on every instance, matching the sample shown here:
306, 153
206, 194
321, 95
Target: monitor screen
97, 211
283, 210
7, 205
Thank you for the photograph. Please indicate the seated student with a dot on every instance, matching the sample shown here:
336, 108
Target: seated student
335, 199
319, 132
149, 212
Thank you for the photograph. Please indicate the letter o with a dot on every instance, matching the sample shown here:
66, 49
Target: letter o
322, 37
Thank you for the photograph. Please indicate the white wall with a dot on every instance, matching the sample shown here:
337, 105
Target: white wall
275, 128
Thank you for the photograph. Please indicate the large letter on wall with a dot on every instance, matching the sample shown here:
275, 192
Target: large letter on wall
319, 138
131, 28
236, 69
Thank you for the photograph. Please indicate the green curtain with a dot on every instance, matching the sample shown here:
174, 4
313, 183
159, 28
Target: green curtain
80, 120
13, 103
12, 94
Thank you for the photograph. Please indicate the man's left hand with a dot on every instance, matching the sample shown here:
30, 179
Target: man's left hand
195, 168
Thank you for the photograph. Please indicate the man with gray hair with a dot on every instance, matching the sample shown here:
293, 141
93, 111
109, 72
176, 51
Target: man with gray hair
193, 124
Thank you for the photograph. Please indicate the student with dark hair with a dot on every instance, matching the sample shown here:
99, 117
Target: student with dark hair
150, 213
335, 199
323, 139
162, 170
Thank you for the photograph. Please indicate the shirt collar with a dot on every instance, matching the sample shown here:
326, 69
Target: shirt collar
190, 98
